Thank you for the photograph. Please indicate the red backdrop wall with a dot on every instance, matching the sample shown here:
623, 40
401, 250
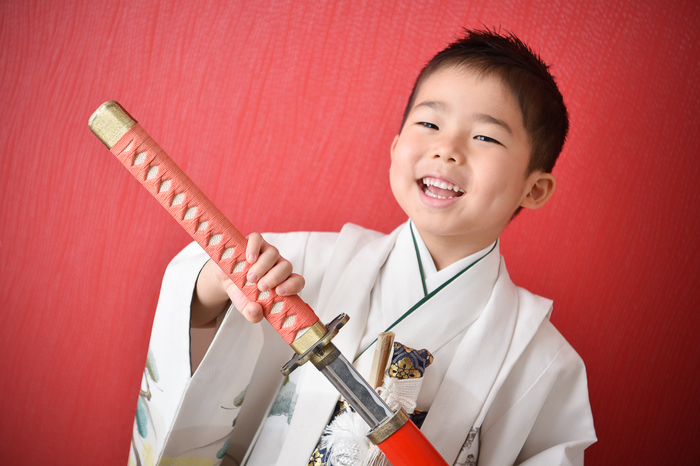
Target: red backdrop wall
283, 112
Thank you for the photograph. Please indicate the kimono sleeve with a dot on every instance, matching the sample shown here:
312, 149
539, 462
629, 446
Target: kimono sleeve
168, 370
563, 428
543, 415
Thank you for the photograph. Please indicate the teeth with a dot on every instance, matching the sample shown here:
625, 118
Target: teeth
429, 194
427, 182
441, 184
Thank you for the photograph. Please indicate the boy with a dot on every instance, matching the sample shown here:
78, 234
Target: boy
480, 135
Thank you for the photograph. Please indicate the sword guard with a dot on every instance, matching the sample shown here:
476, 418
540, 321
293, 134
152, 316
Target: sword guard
317, 350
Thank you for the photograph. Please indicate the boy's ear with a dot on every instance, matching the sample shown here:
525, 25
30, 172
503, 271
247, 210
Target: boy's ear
393, 145
542, 187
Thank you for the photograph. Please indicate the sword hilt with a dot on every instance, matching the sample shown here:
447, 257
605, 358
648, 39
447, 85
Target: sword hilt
290, 316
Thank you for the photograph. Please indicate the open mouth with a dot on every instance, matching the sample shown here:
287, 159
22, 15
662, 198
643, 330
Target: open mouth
439, 189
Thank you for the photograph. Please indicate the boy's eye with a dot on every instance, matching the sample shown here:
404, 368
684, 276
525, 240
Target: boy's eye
486, 139
429, 125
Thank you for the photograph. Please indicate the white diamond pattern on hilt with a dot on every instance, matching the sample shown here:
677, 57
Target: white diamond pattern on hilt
178, 199
202, 225
228, 253
190, 213
152, 172
164, 186
263, 295
288, 321
139, 158
277, 307
238, 267
214, 240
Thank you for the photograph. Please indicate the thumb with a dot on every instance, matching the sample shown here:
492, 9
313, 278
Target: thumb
251, 310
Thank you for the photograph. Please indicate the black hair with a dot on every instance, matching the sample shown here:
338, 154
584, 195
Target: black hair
524, 73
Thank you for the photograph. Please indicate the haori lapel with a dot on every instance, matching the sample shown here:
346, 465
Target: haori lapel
488, 350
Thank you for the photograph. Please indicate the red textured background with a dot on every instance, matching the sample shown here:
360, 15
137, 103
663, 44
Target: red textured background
283, 112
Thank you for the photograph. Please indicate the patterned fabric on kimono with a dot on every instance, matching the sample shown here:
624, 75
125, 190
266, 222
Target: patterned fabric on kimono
406, 364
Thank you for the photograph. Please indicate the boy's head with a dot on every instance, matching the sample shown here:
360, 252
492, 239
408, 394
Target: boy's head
481, 133
522, 72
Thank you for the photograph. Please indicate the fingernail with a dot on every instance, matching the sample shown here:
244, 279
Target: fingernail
262, 286
251, 258
281, 291
252, 278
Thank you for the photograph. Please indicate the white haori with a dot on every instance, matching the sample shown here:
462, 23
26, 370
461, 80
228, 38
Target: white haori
499, 364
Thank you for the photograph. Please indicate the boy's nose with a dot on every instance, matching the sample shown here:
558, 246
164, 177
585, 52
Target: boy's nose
449, 151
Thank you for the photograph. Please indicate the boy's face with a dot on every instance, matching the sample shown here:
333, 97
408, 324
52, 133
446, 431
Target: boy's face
459, 165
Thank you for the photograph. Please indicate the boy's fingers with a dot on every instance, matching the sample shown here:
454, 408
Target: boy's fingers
250, 309
268, 259
269, 270
254, 247
291, 286
253, 312
276, 275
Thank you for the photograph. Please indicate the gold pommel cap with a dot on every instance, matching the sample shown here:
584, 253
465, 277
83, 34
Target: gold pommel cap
110, 122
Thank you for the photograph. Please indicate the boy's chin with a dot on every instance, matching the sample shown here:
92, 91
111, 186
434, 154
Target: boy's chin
456, 234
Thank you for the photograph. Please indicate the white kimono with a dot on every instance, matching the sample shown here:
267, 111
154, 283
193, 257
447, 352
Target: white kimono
505, 386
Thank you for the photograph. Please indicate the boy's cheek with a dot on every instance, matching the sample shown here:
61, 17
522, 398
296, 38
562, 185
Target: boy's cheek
398, 186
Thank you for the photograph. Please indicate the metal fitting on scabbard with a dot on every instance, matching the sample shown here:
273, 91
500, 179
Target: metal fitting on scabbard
110, 122
315, 345
387, 428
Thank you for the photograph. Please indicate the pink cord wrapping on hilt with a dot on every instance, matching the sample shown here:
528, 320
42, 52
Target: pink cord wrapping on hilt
222, 241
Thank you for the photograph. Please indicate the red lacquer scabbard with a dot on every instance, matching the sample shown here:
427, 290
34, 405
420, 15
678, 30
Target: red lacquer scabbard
408, 446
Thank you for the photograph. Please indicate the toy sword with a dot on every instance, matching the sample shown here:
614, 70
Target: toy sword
393, 432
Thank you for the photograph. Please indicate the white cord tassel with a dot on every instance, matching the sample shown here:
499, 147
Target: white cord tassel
375, 457
400, 393
346, 439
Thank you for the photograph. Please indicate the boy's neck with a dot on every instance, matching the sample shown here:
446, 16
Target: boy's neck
446, 250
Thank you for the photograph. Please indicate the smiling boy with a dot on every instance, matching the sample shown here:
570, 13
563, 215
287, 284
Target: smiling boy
481, 133
459, 167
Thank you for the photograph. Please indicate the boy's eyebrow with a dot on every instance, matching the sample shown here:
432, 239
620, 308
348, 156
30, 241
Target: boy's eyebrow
434, 104
481, 117
486, 118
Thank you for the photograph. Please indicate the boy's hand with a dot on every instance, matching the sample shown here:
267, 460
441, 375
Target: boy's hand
269, 271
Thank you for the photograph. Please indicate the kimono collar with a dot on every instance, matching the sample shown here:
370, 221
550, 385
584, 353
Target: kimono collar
407, 308
432, 278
